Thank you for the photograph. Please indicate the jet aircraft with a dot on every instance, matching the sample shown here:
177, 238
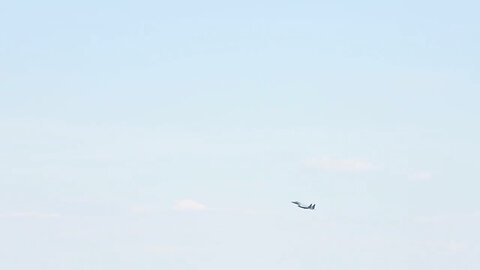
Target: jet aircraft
299, 204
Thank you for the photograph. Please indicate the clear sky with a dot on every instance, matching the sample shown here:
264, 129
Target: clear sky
173, 135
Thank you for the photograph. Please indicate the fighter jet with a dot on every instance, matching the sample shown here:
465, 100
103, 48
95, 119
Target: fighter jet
299, 204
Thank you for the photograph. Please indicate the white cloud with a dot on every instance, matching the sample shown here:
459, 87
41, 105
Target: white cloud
188, 204
421, 176
30, 214
340, 164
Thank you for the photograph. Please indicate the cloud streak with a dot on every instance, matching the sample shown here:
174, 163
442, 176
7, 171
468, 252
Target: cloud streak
29, 214
138, 209
188, 205
421, 176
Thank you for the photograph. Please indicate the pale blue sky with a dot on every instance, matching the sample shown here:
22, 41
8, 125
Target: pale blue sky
173, 135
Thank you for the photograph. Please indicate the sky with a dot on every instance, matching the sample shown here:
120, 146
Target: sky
174, 135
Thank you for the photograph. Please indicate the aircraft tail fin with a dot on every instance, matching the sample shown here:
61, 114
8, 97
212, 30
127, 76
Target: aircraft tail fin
313, 207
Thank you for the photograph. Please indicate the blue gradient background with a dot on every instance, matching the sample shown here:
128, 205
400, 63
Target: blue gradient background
112, 113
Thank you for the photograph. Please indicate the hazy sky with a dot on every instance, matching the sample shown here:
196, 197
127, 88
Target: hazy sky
173, 135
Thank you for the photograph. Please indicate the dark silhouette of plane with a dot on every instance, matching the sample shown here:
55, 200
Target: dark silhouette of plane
310, 207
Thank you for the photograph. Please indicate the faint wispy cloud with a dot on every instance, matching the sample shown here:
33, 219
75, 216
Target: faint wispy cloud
251, 212
428, 219
138, 209
448, 218
458, 247
340, 164
161, 249
30, 214
421, 176
188, 204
